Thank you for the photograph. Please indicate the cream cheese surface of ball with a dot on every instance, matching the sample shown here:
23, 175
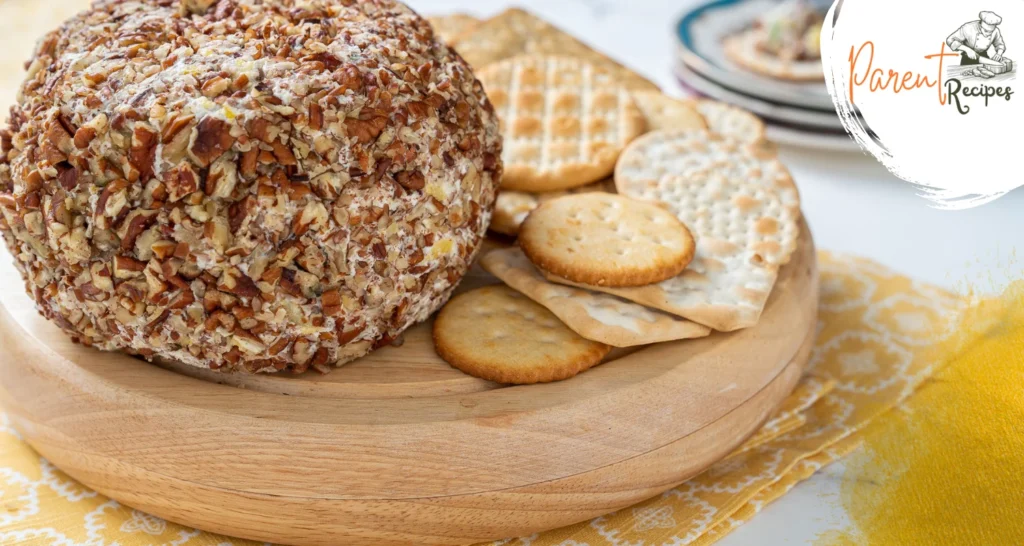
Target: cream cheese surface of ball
252, 185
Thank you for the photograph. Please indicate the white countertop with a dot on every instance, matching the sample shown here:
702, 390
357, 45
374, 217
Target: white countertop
851, 202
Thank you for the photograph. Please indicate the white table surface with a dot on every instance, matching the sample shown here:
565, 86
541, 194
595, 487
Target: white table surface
851, 202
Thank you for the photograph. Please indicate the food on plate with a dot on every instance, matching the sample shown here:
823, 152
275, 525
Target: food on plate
187, 180
517, 32
513, 207
603, 239
731, 121
784, 43
743, 210
498, 334
791, 31
664, 112
593, 315
451, 26
564, 121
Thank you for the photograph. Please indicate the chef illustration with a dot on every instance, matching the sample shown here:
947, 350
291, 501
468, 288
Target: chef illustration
976, 39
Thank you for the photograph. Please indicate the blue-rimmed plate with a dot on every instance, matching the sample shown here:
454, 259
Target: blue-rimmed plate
701, 33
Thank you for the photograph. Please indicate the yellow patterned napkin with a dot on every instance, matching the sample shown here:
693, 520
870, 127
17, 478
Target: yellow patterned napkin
873, 323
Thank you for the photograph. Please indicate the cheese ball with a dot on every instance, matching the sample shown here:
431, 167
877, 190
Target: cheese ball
246, 185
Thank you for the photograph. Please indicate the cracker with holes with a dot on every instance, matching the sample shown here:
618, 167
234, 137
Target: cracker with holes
512, 207
593, 315
451, 26
742, 208
498, 334
663, 112
602, 239
517, 32
731, 121
565, 121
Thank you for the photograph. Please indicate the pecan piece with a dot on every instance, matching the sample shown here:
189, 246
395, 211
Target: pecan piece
313, 215
331, 303
143, 151
140, 222
164, 249
67, 177
198, 7
182, 300
213, 139
258, 129
172, 129
215, 86
180, 182
57, 143
316, 117
347, 336
411, 180
366, 131
249, 161
235, 282
283, 154
126, 267
222, 178
84, 136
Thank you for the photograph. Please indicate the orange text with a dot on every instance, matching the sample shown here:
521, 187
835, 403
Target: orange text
864, 73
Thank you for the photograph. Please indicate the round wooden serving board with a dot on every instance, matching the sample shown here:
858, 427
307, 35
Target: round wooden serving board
398, 448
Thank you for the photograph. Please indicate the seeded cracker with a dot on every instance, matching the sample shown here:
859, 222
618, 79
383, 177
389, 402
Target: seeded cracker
743, 209
564, 121
190, 180
498, 334
606, 240
517, 32
596, 316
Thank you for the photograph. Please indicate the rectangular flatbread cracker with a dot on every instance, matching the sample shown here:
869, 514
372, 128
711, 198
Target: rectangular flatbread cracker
720, 293
595, 316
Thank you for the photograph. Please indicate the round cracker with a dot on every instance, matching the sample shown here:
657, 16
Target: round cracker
731, 121
725, 190
512, 207
564, 120
664, 112
742, 49
498, 334
602, 239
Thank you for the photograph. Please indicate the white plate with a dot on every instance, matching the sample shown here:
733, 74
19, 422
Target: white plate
779, 130
773, 111
809, 139
703, 29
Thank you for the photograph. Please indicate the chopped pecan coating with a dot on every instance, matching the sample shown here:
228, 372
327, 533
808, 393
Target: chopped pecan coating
246, 185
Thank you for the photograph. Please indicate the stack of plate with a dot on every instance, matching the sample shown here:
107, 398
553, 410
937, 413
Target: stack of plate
797, 113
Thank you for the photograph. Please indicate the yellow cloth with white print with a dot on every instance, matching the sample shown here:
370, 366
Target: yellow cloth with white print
872, 323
